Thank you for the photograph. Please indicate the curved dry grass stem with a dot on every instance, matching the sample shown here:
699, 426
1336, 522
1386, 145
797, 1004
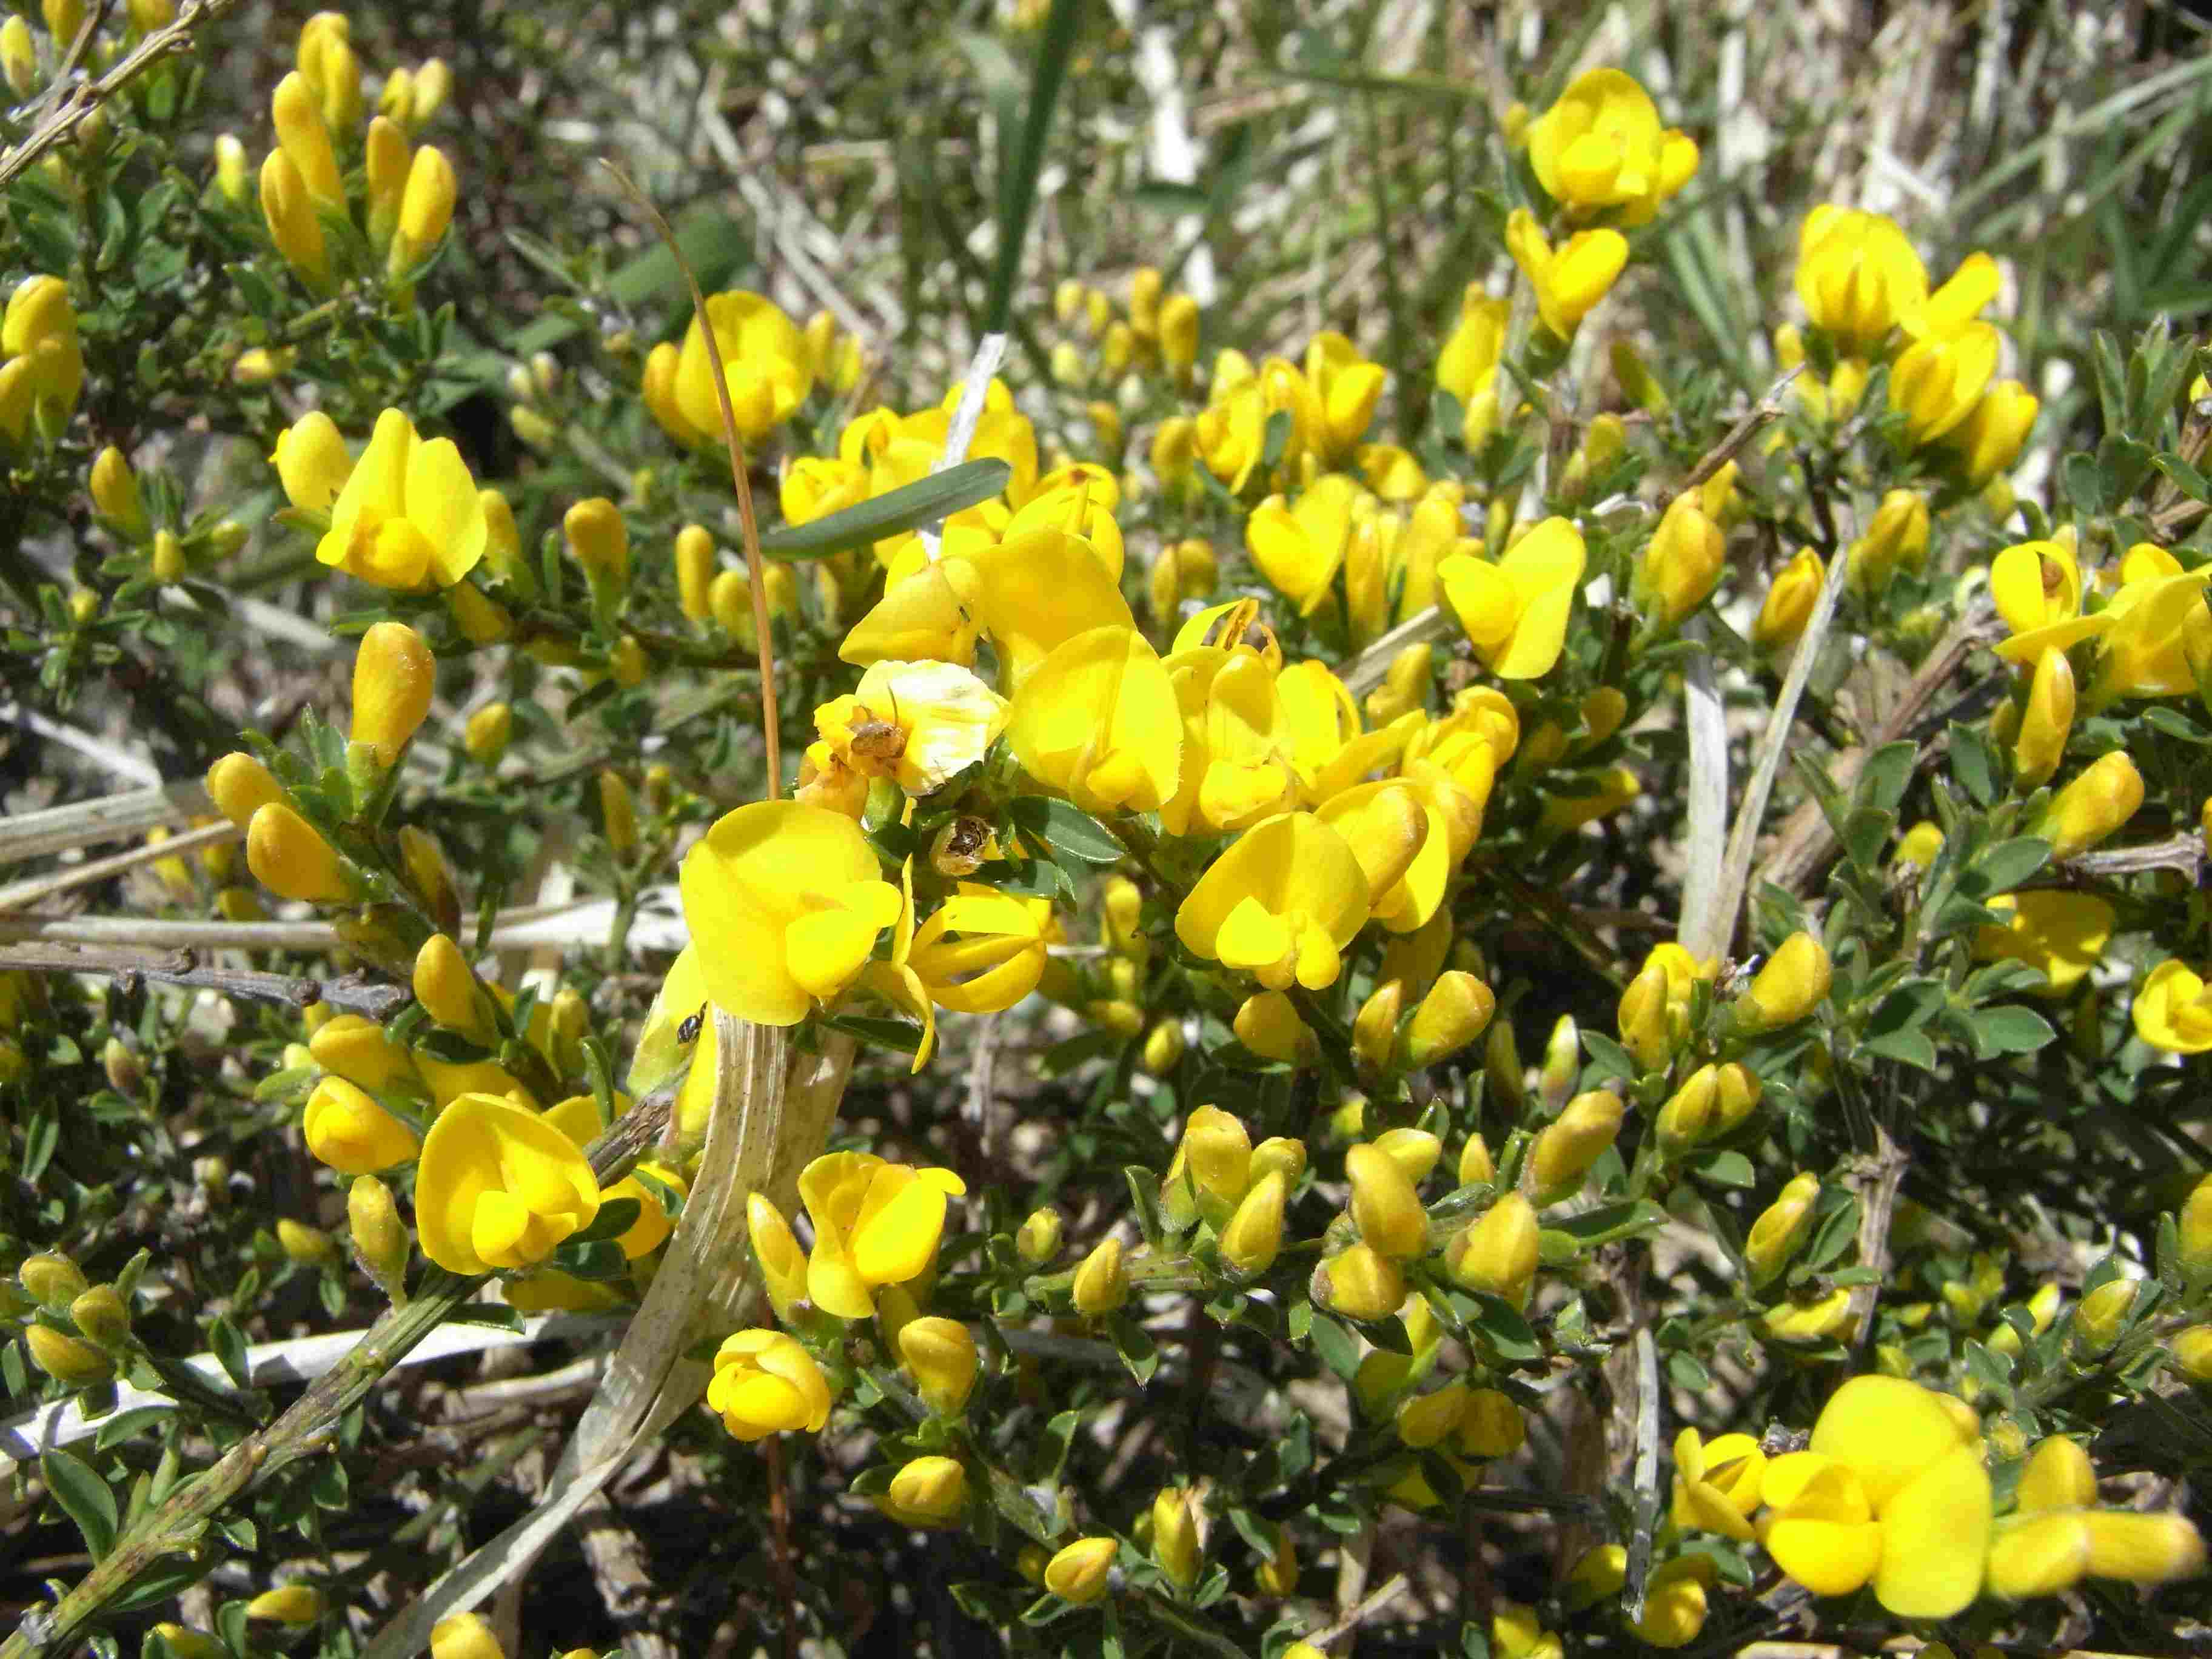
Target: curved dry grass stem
771, 725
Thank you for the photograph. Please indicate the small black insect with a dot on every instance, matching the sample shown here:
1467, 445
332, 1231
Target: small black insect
688, 1033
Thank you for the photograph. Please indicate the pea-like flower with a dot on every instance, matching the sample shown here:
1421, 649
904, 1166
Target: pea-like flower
785, 903
1995, 431
1568, 280
765, 365
1788, 604
1299, 545
1346, 386
1516, 611
1099, 721
498, 1186
920, 723
875, 1223
2037, 588
1857, 275
1717, 1482
1282, 903
1601, 146
2062, 933
2154, 622
983, 950
409, 513
1082, 1571
2173, 1011
347, 1129
766, 1383
310, 462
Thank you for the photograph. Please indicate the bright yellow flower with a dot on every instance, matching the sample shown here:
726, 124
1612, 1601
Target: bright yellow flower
875, 1223
2093, 806
408, 515
1237, 741
2046, 722
1717, 1482
765, 364
497, 1186
920, 723
1282, 903
1939, 379
765, 1383
578, 1118
1098, 721
1857, 275
1570, 280
347, 1129
2153, 622
1790, 602
41, 364
1601, 146
1516, 610
981, 950
2174, 1010
1299, 546
310, 462
785, 903
2037, 588
1681, 563
1346, 386
1991, 438
1403, 844
1082, 1571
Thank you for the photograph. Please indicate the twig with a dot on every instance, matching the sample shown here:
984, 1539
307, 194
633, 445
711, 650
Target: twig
1705, 716
1368, 668
1647, 1473
176, 1528
108, 818
350, 995
1875, 1179
17, 894
90, 95
2184, 852
1367, 1607
1766, 409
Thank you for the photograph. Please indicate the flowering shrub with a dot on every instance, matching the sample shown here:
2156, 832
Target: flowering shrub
1118, 966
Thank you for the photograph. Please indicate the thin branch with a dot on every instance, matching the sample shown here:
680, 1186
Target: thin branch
1766, 409
88, 95
17, 894
350, 995
107, 817
1367, 1607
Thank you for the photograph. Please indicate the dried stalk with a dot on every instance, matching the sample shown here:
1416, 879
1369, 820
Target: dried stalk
350, 995
17, 894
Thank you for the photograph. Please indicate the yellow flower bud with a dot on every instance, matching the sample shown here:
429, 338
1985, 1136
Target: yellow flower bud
1790, 986
1175, 1535
1164, 1048
1362, 1283
694, 571
242, 786
1781, 1227
186, 1644
394, 677
486, 735
115, 493
290, 212
51, 1279
70, 1360
287, 1604
433, 84
1456, 1011
426, 209
387, 161
1475, 1163
1080, 1573
599, 540
1268, 1024
782, 1261
1568, 1146
1491, 1426
1037, 1240
1896, 536
1105, 427
1279, 1576
2102, 1312
380, 1241
1179, 332
2046, 722
940, 1355
19, 59
288, 856
1101, 1284
617, 815
1117, 348
1384, 1206
927, 1492
2192, 1353
1562, 1063
447, 987
2144, 1549
1279, 1154
1501, 1069
1375, 1028
1499, 1253
2058, 1476
1683, 1121
1254, 1233
309, 1246
102, 1315
305, 142
124, 1071
464, 1636
347, 1129
2039, 1554
2102, 800
1790, 602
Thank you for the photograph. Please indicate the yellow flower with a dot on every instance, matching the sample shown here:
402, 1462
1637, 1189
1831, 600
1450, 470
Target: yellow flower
1681, 564
940, 1355
920, 723
578, 1118
875, 1223
1794, 981
1790, 602
1601, 146
765, 365
41, 364
287, 1604
1499, 1253
2037, 588
1857, 275
784, 903
1896, 535
927, 1492
347, 1129
1937, 380
1102, 1282
465, 1635
1345, 388
2046, 722
1781, 1227
1299, 547
1717, 1482
1384, 1206
1516, 611
409, 513
1282, 903
289, 856
1363, 1283
310, 462
1467, 366
1568, 281
2062, 934
1098, 721
2173, 1011
1991, 438
981, 950
394, 677
765, 1383
2152, 622
498, 1186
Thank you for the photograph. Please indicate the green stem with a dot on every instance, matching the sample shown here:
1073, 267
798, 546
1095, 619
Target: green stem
309, 1427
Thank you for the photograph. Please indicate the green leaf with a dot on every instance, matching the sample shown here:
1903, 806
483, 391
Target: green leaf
616, 1216
1973, 764
1609, 1059
85, 1498
1165, 196
1864, 832
1610, 1223
125, 1425
228, 1343
1066, 828
2175, 724
2186, 478
1275, 437
1338, 1348
1888, 771
909, 506
1909, 1046
1907, 1008
1500, 1325
2009, 1030
899, 1036
2007, 865
2084, 484
1723, 1168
